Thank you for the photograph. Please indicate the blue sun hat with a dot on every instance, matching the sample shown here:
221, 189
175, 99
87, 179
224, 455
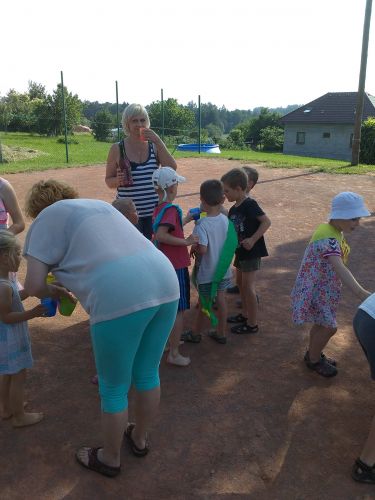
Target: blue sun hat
348, 205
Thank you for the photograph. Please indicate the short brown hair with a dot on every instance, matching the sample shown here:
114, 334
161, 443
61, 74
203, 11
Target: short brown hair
124, 205
44, 193
212, 192
252, 174
235, 178
9, 245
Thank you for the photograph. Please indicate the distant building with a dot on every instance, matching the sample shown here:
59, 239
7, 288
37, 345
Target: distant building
324, 128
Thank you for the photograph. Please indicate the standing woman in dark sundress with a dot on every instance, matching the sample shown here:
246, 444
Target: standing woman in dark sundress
131, 163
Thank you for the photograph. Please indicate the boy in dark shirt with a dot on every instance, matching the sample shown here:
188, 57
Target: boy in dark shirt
251, 223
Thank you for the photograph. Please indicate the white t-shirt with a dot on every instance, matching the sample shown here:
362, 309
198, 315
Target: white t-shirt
212, 233
95, 252
368, 305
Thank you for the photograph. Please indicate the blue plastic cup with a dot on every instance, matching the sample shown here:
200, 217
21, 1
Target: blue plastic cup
50, 305
195, 213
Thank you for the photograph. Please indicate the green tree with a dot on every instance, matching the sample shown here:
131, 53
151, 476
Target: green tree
101, 125
252, 128
36, 90
272, 138
178, 119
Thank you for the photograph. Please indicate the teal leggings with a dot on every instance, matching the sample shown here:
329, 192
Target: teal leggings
128, 351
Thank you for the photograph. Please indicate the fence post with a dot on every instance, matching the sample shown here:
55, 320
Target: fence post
117, 114
199, 124
64, 115
162, 115
1, 153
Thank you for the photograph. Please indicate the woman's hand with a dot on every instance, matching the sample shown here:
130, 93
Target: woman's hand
152, 136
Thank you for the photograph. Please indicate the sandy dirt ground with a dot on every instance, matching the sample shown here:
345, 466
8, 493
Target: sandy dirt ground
244, 420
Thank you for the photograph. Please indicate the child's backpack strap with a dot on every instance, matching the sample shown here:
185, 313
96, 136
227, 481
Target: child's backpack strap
160, 215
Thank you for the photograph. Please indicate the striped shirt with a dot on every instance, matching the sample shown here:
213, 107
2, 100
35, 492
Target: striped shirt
142, 192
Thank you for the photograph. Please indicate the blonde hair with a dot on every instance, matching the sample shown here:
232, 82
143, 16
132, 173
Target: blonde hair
44, 193
9, 245
131, 111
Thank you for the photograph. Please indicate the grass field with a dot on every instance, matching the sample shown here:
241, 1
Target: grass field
47, 153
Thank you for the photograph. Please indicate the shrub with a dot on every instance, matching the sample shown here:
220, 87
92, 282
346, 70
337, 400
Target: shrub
71, 140
367, 152
272, 138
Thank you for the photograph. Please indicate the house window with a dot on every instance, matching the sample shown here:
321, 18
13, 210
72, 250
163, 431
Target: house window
351, 140
326, 135
300, 138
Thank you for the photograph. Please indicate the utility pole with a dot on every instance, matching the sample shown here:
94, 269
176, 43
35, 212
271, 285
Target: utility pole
361, 86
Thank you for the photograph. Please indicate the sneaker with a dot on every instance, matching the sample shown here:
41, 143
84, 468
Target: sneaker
363, 473
178, 360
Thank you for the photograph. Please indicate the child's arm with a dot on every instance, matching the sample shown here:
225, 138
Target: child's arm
163, 236
265, 223
188, 218
346, 277
10, 317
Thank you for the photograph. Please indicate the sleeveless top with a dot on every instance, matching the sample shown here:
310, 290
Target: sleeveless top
3, 211
142, 192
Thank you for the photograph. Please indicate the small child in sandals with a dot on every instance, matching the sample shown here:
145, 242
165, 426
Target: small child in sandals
317, 289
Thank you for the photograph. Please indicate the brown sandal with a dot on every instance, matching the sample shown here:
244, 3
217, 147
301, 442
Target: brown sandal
95, 464
138, 452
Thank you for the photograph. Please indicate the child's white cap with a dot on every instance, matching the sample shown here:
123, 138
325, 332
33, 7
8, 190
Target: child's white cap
348, 205
165, 177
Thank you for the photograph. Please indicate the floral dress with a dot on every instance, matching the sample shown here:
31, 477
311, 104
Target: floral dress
317, 290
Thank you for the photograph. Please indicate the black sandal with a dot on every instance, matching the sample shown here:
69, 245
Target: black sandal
322, 367
363, 473
218, 338
95, 464
238, 318
189, 336
245, 328
138, 452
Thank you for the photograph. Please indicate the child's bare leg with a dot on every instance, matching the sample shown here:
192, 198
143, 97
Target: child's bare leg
319, 338
368, 453
16, 402
174, 355
5, 410
221, 313
199, 322
248, 294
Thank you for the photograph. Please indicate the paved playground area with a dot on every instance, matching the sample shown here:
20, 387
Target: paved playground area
246, 420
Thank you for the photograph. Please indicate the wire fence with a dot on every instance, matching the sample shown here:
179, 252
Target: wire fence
52, 130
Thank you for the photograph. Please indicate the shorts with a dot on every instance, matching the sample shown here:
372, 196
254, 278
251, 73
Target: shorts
205, 288
247, 266
184, 282
364, 328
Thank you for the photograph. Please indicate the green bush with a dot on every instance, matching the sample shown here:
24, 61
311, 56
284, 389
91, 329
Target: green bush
367, 152
71, 140
272, 138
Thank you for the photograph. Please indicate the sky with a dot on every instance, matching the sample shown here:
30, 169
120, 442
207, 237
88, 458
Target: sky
240, 54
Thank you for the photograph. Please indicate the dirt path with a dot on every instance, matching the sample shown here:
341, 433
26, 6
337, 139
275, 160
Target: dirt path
245, 420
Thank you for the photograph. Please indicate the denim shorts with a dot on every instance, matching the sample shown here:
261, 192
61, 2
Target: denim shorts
184, 282
205, 288
247, 266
